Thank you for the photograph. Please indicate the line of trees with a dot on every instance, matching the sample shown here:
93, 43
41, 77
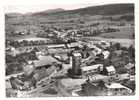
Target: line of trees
100, 31
34, 43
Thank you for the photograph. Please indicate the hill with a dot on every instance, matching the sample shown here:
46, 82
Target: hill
94, 16
49, 11
111, 9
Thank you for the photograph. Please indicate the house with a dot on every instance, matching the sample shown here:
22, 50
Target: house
75, 92
129, 66
96, 50
73, 45
70, 83
29, 68
114, 89
11, 51
16, 83
106, 54
93, 68
45, 60
97, 78
89, 58
39, 53
56, 46
124, 76
104, 44
109, 70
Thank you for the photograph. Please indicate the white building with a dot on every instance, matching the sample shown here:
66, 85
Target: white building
106, 54
110, 70
104, 44
93, 68
97, 51
129, 66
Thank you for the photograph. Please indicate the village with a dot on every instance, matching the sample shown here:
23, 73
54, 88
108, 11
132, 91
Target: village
87, 51
68, 65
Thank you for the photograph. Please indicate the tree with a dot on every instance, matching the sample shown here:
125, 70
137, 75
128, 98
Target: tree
107, 62
131, 52
117, 46
121, 70
124, 48
101, 85
35, 49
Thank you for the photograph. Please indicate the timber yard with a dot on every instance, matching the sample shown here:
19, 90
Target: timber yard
60, 61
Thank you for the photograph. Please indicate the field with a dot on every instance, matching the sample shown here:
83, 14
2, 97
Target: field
90, 18
123, 42
124, 33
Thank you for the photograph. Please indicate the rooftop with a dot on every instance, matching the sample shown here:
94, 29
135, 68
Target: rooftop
77, 54
87, 68
129, 66
115, 85
44, 60
110, 68
69, 83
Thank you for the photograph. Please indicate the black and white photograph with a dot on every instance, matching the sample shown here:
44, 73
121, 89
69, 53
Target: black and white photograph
70, 50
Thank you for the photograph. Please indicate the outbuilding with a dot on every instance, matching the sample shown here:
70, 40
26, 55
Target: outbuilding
110, 70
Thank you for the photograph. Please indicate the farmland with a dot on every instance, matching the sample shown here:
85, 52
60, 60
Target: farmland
123, 42
80, 19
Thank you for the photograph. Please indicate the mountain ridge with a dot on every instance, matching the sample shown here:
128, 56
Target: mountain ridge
107, 9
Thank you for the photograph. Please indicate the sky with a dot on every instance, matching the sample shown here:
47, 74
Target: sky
26, 6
